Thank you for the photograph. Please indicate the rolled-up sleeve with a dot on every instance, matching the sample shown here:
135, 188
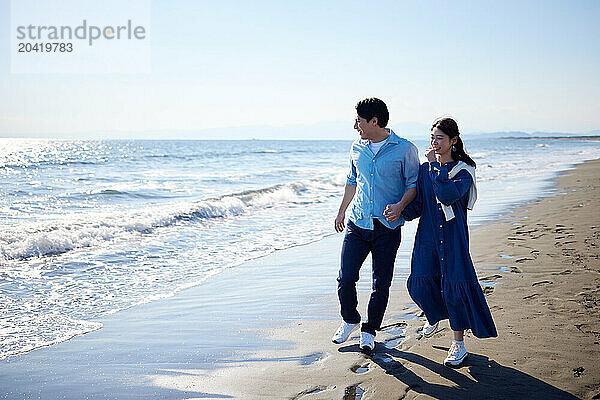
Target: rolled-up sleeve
411, 167
351, 178
415, 208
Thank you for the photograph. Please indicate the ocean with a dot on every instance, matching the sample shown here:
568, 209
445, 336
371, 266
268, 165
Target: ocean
93, 227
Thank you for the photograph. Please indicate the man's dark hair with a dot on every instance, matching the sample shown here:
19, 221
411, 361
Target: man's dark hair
373, 107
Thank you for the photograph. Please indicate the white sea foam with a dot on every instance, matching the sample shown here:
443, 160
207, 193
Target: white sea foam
75, 231
39, 330
481, 154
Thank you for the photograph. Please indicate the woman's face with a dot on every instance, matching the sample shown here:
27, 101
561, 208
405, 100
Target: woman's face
440, 142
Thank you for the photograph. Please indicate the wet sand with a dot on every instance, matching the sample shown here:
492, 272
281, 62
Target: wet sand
541, 268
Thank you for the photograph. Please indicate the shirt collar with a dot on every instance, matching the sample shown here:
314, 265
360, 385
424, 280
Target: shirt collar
393, 138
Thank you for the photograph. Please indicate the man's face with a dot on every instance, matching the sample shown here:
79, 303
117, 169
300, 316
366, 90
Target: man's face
362, 126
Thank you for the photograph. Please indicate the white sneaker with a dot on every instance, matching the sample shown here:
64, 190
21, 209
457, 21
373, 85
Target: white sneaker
367, 341
343, 332
456, 354
429, 330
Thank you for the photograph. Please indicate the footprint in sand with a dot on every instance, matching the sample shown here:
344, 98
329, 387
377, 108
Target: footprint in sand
488, 289
523, 259
395, 330
409, 315
312, 390
311, 358
360, 369
565, 272
490, 278
393, 343
354, 392
541, 283
562, 230
512, 269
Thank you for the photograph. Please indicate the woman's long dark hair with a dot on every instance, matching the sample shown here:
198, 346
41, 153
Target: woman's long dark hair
450, 128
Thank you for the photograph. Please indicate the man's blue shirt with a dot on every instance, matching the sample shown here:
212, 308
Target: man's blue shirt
381, 178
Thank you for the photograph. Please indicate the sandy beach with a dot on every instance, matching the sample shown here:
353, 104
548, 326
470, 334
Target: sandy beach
541, 269
270, 338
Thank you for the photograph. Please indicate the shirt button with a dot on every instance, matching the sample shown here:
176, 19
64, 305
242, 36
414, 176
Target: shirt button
440, 226
442, 258
441, 241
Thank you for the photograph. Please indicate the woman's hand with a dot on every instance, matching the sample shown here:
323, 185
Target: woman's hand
430, 154
392, 212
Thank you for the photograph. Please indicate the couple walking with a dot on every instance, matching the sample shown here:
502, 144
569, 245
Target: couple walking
389, 187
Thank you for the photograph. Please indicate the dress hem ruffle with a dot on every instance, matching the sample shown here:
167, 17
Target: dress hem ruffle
462, 302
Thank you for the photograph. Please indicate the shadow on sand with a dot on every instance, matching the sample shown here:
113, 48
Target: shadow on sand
478, 378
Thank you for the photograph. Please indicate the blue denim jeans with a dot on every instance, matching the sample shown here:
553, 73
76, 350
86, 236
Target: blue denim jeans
382, 242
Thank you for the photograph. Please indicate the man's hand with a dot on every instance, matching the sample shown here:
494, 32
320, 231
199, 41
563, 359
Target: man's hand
392, 212
349, 191
339, 222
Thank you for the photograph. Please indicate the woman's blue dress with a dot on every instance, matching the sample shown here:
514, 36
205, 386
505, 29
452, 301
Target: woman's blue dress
442, 280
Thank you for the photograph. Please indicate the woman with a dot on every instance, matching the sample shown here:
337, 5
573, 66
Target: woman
442, 281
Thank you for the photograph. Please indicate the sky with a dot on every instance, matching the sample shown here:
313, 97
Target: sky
229, 68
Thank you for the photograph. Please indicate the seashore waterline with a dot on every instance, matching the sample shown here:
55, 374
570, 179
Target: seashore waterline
214, 325
250, 296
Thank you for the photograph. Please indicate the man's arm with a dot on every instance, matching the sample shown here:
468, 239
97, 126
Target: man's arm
410, 167
349, 191
392, 211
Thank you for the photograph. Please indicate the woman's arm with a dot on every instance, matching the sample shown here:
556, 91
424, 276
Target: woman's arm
448, 191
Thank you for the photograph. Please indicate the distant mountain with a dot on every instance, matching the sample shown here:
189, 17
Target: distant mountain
521, 134
319, 130
416, 130
499, 134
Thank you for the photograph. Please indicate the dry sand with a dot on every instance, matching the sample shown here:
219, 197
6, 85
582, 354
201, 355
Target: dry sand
541, 265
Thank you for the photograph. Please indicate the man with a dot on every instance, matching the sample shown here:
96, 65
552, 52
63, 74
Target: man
382, 181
